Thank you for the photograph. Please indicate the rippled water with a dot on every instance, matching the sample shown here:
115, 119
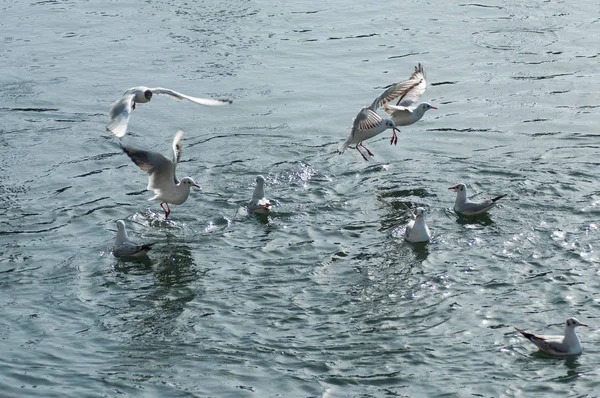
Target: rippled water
323, 299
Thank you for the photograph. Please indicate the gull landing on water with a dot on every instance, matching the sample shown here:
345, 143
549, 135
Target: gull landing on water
367, 124
121, 109
470, 208
259, 204
558, 345
125, 247
417, 230
162, 179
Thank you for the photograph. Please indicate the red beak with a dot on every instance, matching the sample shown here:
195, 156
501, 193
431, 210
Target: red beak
433, 107
197, 186
452, 188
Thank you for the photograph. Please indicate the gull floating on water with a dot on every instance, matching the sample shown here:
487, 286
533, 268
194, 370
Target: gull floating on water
121, 109
417, 230
162, 179
125, 247
469, 208
259, 204
407, 111
558, 345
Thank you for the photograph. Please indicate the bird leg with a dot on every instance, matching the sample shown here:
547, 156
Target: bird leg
133, 106
167, 210
369, 152
394, 139
362, 154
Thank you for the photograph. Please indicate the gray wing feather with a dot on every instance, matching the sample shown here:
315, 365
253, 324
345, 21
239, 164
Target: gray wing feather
418, 84
180, 96
365, 120
132, 249
160, 169
477, 207
396, 90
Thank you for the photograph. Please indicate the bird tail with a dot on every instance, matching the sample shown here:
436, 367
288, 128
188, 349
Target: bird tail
344, 146
498, 198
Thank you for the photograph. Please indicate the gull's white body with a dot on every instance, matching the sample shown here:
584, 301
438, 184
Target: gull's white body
417, 230
121, 110
568, 344
125, 247
162, 179
259, 204
468, 207
407, 111
405, 116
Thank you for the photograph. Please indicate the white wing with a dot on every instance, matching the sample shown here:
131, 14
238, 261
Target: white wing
366, 120
418, 83
119, 116
180, 96
177, 146
400, 89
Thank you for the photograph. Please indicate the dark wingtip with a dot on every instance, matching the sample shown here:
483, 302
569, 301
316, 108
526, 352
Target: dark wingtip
498, 197
148, 246
524, 333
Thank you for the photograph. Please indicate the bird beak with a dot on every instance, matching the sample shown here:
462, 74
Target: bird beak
583, 324
433, 107
397, 130
197, 186
452, 188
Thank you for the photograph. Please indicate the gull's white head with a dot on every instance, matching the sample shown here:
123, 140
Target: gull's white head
120, 225
574, 322
389, 124
260, 180
425, 106
188, 181
459, 188
420, 212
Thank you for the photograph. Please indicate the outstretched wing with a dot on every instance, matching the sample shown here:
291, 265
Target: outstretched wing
119, 116
394, 91
180, 96
419, 84
177, 150
160, 169
366, 120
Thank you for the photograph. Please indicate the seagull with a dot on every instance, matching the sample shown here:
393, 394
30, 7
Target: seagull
121, 109
406, 111
367, 124
124, 247
163, 181
469, 208
417, 230
259, 204
558, 345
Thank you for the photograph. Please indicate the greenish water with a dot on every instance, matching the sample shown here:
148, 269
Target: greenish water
323, 299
